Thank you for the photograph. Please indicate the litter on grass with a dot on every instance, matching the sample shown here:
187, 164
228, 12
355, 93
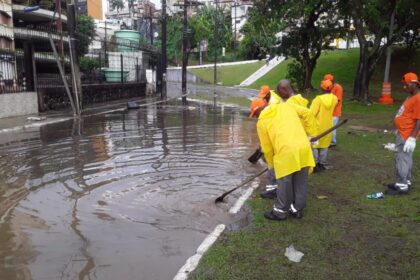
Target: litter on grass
389, 146
322, 196
292, 254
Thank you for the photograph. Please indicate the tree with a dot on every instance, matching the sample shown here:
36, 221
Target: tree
371, 20
310, 27
116, 4
260, 29
174, 37
85, 32
203, 28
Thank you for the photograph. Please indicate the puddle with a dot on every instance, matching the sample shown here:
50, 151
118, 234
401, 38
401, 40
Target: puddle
125, 195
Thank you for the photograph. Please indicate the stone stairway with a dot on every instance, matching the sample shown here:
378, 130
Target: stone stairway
263, 70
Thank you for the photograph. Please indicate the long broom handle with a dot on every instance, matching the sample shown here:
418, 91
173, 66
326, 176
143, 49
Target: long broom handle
316, 138
220, 198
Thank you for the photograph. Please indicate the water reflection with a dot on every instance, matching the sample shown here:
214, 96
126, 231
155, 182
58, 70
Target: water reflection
120, 195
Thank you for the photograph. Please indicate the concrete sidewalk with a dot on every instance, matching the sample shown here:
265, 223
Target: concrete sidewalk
27, 122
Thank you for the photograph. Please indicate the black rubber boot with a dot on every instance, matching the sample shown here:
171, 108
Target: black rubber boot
297, 215
268, 194
271, 216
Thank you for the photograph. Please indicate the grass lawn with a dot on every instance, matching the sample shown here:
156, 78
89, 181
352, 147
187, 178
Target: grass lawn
343, 64
345, 236
229, 75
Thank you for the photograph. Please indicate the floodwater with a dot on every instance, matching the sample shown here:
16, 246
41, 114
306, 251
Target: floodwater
125, 195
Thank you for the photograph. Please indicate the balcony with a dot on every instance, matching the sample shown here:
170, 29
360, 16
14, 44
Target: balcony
37, 16
6, 31
38, 34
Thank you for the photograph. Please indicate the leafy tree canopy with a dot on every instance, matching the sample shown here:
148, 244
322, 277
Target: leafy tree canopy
85, 32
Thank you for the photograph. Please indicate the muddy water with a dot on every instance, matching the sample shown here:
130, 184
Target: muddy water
126, 195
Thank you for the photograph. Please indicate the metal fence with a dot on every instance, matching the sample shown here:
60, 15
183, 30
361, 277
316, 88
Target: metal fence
107, 63
12, 75
124, 61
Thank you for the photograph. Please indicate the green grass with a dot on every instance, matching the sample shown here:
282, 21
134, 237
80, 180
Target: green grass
346, 236
229, 75
343, 64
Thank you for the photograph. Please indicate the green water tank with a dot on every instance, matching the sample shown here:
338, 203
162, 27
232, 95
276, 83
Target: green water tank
127, 40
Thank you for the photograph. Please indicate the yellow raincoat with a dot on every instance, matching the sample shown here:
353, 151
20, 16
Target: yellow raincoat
283, 140
274, 98
298, 100
322, 108
306, 117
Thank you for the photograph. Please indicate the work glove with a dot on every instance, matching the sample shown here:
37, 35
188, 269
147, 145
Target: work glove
314, 143
409, 145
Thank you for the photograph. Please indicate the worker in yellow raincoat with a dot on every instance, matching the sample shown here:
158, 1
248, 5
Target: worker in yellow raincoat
270, 96
286, 149
306, 117
300, 104
323, 107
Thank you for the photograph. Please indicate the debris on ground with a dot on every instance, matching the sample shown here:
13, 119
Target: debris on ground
389, 146
375, 195
322, 197
292, 254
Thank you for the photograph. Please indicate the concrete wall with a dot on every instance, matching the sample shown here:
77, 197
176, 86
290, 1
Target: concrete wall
175, 75
18, 104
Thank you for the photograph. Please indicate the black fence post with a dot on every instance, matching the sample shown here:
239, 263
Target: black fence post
137, 69
122, 68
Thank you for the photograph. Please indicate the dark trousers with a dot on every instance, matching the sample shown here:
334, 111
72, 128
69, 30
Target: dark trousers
291, 192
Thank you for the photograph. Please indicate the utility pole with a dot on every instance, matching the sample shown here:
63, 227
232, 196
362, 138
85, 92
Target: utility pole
162, 75
151, 25
234, 35
216, 38
184, 55
105, 45
185, 34
74, 63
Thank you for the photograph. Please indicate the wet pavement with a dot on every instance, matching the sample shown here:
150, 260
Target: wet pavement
123, 195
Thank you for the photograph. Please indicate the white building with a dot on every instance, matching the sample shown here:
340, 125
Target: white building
239, 14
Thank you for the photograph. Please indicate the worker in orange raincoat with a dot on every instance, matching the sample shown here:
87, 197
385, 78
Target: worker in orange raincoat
286, 150
338, 92
407, 123
323, 107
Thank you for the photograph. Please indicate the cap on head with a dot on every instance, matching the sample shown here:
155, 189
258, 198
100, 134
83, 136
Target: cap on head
264, 91
410, 78
326, 85
256, 105
329, 77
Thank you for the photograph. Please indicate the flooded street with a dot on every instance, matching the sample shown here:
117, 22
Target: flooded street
125, 195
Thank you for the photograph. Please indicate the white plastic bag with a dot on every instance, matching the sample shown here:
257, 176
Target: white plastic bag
292, 254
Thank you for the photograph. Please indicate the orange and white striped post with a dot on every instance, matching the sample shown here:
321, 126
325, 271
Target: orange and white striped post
386, 98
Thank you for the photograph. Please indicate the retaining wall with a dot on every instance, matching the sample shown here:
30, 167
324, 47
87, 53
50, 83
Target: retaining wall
18, 104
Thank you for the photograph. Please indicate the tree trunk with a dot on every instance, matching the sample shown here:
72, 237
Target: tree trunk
361, 73
309, 67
